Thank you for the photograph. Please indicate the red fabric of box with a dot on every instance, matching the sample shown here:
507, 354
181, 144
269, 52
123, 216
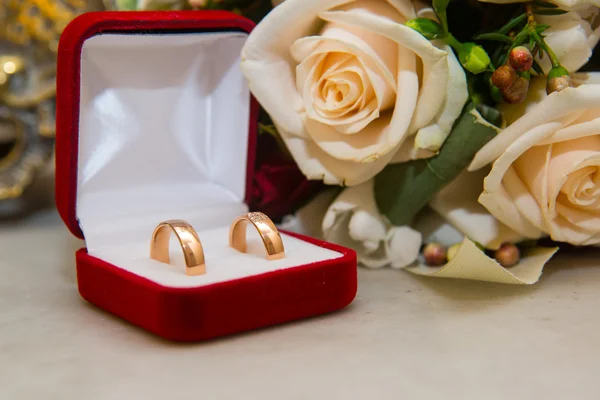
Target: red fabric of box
155, 122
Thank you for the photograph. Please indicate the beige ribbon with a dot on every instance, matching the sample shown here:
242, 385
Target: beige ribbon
472, 263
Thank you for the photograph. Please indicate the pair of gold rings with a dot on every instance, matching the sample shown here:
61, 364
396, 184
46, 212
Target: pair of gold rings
192, 247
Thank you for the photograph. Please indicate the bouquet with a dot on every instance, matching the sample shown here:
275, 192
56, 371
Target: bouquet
451, 138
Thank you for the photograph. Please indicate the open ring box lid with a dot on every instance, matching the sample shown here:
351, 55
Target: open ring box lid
155, 122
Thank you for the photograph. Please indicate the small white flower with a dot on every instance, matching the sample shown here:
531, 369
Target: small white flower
353, 220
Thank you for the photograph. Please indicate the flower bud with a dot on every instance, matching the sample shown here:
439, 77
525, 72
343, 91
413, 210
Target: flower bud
517, 93
504, 77
474, 58
558, 79
508, 255
435, 254
521, 58
426, 27
453, 251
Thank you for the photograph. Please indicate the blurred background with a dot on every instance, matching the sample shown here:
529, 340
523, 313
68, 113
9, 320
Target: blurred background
29, 35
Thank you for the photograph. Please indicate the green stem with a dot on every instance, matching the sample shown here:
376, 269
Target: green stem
444, 20
453, 42
532, 24
440, 6
544, 46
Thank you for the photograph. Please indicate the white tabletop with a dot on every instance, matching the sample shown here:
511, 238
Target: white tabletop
404, 337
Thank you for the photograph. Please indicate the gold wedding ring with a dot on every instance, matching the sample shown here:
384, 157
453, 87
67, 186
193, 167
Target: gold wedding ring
266, 229
189, 241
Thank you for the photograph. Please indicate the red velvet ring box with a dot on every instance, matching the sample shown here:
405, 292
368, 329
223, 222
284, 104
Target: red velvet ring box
155, 122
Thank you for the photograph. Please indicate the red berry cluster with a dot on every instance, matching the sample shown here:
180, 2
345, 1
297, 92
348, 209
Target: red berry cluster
512, 78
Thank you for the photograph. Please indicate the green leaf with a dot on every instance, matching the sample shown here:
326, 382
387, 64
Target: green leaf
539, 28
520, 38
545, 4
402, 190
498, 37
513, 23
549, 12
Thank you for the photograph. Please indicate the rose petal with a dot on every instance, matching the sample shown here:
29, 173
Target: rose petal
576, 131
553, 108
316, 107
318, 165
568, 38
383, 135
457, 203
562, 230
266, 53
372, 142
408, 152
503, 208
568, 157
585, 78
582, 188
515, 150
377, 55
432, 136
584, 220
405, 8
532, 169
435, 64
525, 203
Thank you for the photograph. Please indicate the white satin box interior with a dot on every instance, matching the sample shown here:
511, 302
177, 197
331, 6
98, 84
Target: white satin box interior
163, 134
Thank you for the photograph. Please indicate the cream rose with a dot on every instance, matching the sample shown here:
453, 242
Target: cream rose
347, 85
546, 176
572, 37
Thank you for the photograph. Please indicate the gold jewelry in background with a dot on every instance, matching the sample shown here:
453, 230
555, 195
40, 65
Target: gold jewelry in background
29, 34
265, 227
189, 241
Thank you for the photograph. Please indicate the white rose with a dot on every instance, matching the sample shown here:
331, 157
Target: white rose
354, 221
572, 37
347, 84
564, 4
546, 176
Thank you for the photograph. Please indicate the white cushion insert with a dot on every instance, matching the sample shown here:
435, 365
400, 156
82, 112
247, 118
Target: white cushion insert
163, 134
